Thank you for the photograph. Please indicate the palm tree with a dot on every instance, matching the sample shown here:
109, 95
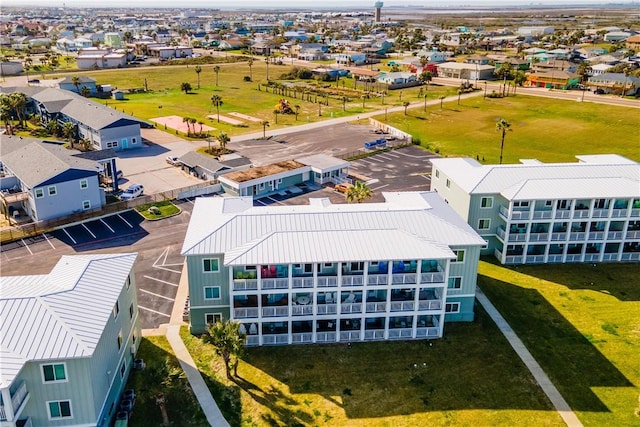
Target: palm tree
85, 91
216, 70
264, 124
216, 100
228, 342
201, 123
198, 71
250, 63
158, 378
53, 127
76, 82
441, 100
344, 103
276, 113
223, 140
627, 72
193, 122
459, 93
405, 104
267, 59
359, 192
503, 126
186, 120
69, 132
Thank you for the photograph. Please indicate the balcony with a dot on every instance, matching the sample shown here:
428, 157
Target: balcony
596, 235
538, 237
346, 308
325, 337
583, 213
630, 256
614, 235
610, 257
517, 259
427, 332
555, 237
402, 305
275, 339
377, 279
563, 214
577, 236
635, 213
245, 284
352, 280
350, 335
302, 282
327, 308
302, 338
591, 257
374, 334
535, 259
633, 234
275, 284
542, 214
437, 277
327, 281
275, 311
252, 340
243, 313
619, 213
13, 196
514, 215
376, 307
573, 258
501, 233
17, 399
400, 333
302, 310
435, 304
404, 278
515, 236
600, 213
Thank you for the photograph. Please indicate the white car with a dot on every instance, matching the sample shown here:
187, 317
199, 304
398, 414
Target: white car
173, 160
132, 192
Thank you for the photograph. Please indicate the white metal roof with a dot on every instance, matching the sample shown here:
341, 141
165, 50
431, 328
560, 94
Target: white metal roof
475, 178
60, 315
543, 189
220, 225
323, 162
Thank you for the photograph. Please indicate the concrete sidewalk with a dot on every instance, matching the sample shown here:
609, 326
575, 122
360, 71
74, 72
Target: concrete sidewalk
540, 376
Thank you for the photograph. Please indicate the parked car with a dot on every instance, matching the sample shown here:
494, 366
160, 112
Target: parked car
132, 192
343, 187
173, 160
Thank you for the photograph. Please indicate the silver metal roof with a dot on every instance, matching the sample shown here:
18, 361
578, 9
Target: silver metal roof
60, 315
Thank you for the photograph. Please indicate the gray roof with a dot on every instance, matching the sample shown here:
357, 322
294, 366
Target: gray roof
413, 223
60, 315
193, 159
35, 162
323, 162
83, 79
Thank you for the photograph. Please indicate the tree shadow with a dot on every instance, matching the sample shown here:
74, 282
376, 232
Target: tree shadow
571, 361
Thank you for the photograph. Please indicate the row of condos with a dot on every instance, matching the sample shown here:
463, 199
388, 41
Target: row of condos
548, 213
331, 273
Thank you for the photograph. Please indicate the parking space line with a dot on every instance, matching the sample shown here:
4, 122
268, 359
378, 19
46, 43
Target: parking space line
193, 202
274, 200
365, 161
378, 188
156, 295
107, 225
384, 156
26, 246
390, 154
153, 311
125, 221
162, 266
48, 241
261, 202
69, 236
161, 281
377, 160
90, 232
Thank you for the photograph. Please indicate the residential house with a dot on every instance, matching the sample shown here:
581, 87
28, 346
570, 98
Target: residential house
231, 44
325, 273
633, 43
464, 71
548, 213
599, 69
42, 181
553, 79
206, 167
10, 68
89, 59
535, 31
615, 83
616, 36
351, 58
432, 56
516, 64
68, 340
67, 83
398, 78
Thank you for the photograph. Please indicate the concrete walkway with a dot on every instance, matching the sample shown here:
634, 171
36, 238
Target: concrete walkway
541, 378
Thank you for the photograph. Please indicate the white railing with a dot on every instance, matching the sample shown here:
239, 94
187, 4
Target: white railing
600, 213
563, 214
375, 307
504, 212
435, 277
554, 258
427, 332
517, 237
541, 214
302, 337
635, 212
377, 279
513, 259
302, 282
349, 335
275, 339
3, 414
352, 280
614, 235
610, 257
243, 313
400, 333
497, 253
538, 237
275, 311
325, 337
591, 257
402, 305
275, 284
535, 259
327, 281
633, 256
404, 278
635, 234
374, 334
351, 308
618, 213
501, 232
253, 340
583, 213
558, 236
327, 308
18, 397
302, 310
245, 284
596, 235
430, 304
520, 214
573, 258
577, 236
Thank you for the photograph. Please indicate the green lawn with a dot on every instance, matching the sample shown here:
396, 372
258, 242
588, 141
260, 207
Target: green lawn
471, 377
182, 407
165, 210
582, 324
545, 129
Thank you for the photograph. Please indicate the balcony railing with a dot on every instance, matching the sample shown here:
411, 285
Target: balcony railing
281, 283
584, 213
275, 311
325, 337
14, 197
275, 339
614, 235
517, 237
591, 257
538, 237
327, 308
376, 307
400, 333
635, 212
374, 334
600, 213
497, 253
355, 307
619, 213
302, 310
304, 337
434, 304
501, 232
16, 400
245, 284
573, 257
513, 259
252, 340
630, 256
635, 234
436, 277
554, 258
404, 278
377, 279
560, 214
535, 259
352, 280
243, 313
541, 214
349, 335
610, 256
327, 281
558, 236
402, 305
302, 282
596, 235
577, 236
427, 332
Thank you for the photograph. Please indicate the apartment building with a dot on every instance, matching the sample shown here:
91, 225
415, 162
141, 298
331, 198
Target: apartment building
534, 212
324, 272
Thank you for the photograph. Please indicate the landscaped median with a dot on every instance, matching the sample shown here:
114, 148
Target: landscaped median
158, 210
581, 323
470, 377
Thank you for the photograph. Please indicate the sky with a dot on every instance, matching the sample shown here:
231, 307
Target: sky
298, 4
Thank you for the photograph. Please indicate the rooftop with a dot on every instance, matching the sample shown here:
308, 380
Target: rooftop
264, 171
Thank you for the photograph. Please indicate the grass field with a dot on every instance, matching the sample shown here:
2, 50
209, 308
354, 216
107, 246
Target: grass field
582, 324
545, 129
471, 377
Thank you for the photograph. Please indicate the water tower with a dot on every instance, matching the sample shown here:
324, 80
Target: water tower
378, 6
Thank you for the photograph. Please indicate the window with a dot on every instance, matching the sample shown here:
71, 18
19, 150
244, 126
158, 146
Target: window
59, 409
212, 318
128, 282
455, 283
548, 203
308, 268
120, 340
52, 190
357, 266
112, 144
328, 265
452, 307
39, 193
261, 186
521, 204
86, 204
484, 224
459, 256
123, 368
116, 310
211, 265
297, 266
84, 184
448, 183
212, 292
134, 140
486, 202
131, 311
250, 267
56, 372
437, 173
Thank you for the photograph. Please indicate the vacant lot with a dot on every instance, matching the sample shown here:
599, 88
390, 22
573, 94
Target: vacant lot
581, 323
471, 377
545, 129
